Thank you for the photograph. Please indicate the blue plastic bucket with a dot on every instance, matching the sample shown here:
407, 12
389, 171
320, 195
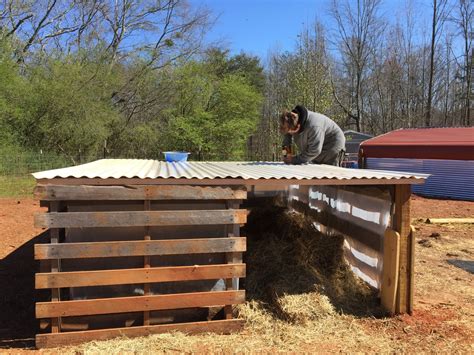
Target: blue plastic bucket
176, 156
350, 164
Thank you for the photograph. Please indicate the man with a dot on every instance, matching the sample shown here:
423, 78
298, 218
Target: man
319, 139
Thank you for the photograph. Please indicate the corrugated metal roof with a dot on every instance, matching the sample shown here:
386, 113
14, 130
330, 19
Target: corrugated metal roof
153, 169
456, 143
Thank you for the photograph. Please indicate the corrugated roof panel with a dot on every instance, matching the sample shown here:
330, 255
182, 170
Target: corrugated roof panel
152, 169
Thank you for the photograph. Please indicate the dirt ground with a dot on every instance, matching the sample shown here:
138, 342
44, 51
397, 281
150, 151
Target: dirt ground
443, 319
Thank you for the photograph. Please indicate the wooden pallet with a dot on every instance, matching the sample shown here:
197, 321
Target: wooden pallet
59, 220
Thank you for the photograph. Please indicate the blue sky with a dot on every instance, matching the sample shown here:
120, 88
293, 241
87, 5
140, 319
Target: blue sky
257, 26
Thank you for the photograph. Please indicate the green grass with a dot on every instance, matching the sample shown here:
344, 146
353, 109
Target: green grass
16, 167
16, 186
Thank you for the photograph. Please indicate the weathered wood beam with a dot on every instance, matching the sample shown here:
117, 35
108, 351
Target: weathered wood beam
138, 218
138, 303
391, 251
137, 276
138, 192
401, 224
139, 248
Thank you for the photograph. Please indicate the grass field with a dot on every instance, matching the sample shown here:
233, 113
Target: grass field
16, 186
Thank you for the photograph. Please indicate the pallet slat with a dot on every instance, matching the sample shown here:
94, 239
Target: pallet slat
138, 304
74, 338
137, 276
139, 248
157, 192
139, 218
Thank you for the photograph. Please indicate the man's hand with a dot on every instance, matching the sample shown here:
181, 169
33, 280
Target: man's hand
287, 159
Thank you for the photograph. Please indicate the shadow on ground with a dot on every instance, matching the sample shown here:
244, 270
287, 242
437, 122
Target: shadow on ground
467, 265
18, 325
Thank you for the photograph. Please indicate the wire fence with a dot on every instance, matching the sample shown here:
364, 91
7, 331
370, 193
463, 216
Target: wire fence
16, 168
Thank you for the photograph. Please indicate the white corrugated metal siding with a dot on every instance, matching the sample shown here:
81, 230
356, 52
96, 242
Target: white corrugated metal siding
449, 178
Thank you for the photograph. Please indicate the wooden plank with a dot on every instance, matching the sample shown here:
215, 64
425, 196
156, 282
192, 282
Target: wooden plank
139, 248
138, 303
220, 182
74, 338
138, 218
388, 292
55, 267
138, 276
146, 264
233, 230
401, 224
450, 220
134, 192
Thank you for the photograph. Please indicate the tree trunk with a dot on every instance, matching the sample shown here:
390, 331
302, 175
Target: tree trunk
432, 53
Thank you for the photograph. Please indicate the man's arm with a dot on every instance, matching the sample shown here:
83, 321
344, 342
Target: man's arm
315, 146
287, 140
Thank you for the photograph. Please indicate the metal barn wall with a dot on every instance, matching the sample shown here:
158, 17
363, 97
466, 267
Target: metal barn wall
449, 178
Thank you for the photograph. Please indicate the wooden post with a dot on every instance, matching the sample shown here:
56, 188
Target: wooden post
401, 224
412, 269
55, 267
146, 265
391, 266
233, 230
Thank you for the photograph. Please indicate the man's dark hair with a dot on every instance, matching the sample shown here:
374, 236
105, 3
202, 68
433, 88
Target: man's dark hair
290, 118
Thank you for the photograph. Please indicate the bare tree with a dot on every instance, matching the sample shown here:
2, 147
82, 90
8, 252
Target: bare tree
157, 31
407, 45
358, 27
463, 19
440, 8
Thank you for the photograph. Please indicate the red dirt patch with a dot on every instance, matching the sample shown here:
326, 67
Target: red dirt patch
17, 269
16, 223
430, 208
444, 300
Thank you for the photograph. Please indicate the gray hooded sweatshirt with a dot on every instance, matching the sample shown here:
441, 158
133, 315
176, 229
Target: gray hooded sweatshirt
319, 140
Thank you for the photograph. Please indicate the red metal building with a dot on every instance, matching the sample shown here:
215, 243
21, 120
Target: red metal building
445, 153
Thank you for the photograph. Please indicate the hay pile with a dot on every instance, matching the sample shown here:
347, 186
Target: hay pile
300, 292
296, 274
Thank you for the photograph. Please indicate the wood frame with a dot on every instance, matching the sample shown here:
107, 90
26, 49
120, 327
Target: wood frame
401, 224
397, 273
230, 244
